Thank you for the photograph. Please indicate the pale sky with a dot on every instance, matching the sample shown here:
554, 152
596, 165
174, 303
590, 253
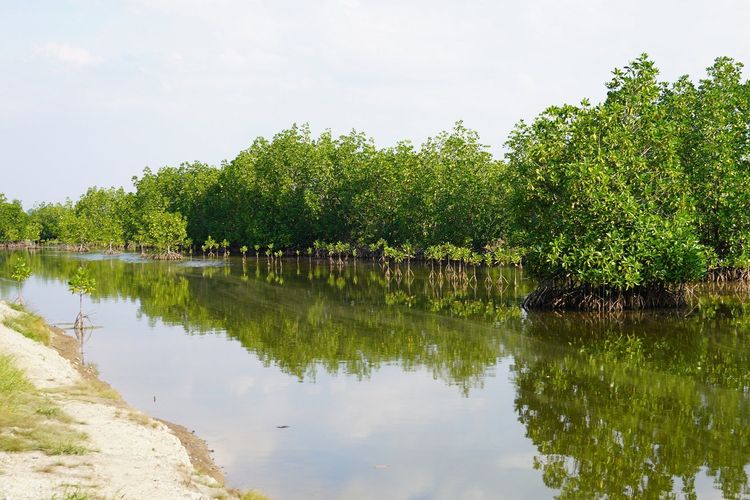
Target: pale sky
92, 91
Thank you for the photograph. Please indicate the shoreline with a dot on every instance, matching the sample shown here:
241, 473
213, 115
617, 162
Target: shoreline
126, 453
196, 447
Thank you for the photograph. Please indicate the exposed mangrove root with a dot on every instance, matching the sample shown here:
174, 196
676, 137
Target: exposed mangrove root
728, 274
167, 256
554, 296
81, 248
19, 245
111, 250
80, 321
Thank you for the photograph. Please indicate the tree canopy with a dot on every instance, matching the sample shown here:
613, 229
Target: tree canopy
598, 193
644, 190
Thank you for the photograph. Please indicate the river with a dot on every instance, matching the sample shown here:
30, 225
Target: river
312, 380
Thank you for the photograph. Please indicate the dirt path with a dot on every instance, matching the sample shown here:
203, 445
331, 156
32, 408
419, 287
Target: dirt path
132, 455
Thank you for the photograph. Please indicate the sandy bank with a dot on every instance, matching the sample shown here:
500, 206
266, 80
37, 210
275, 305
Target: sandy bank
129, 455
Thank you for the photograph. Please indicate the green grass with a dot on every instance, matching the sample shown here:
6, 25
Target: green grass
65, 447
76, 495
29, 325
29, 421
253, 495
49, 411
12, 380
16, 306
73, 493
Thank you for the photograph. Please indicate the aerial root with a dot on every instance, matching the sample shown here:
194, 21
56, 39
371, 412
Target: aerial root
604, 299
721, 275
168, 256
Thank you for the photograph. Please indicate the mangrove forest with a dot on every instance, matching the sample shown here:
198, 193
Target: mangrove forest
622, 204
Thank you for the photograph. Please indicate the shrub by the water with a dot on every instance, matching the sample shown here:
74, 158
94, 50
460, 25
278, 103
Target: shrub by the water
713, 120
598, 197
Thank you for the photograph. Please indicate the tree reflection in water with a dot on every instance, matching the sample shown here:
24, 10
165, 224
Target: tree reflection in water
638, 405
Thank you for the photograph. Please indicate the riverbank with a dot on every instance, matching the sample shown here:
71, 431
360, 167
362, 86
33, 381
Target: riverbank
78, 439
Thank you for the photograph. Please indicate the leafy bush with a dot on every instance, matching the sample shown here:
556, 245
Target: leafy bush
598, 194
713, 120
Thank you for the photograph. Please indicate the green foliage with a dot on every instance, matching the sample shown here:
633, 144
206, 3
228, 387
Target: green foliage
49, 218
21, 271
210, 244
166, 230
76, 229
190, 189
81, 282
99, 218
597, 193
294, 189
713, 119
503, 254
13, 221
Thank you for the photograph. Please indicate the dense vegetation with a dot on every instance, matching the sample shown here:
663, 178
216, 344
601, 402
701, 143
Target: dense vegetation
597, 193
15, 224
713, 123
295, 190
618, 204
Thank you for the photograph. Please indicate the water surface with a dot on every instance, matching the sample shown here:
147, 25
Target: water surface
320, 381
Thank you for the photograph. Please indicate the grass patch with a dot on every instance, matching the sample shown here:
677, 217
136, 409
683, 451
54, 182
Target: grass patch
49, 411
141, 419
253, 495
12, 381
29, 325
92, 391
73, 493
28, 421
46, 469
16, 306
67, 447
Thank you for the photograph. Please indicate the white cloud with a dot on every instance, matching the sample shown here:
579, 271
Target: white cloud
67, 54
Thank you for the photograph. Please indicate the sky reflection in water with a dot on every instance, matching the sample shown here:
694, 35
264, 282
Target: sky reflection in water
412, 390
